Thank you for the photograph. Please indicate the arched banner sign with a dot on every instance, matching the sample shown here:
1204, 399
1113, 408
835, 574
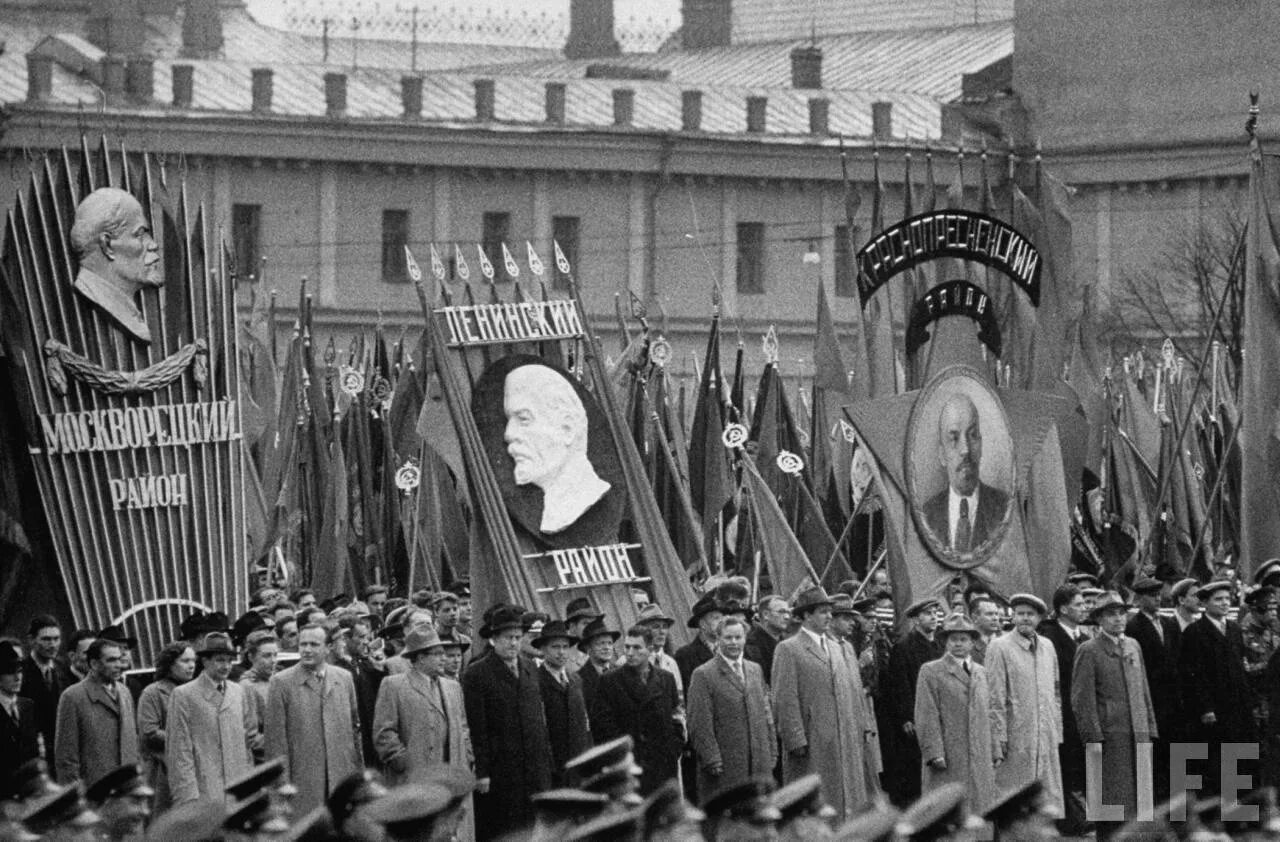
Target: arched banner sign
954, 298
949, 233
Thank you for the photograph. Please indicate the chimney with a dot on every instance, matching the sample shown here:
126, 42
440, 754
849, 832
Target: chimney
335, 94
591, 30
624, 106
819, 116
113, 74
202, 29
806, 67
39, 78
139, 78
691, 111
263, 88
556, 92
411, 96
882, 120
116, 26
707, 23
757, 107
183, 85
485, 100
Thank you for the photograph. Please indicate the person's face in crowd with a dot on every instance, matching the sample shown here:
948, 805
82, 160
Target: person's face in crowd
776, 616
431, 662
842, 625
264, 662
960, 444
818, 620
452, 661
1217, 605
601, 649
288, 634
707, 625
1074, 611
958, 604
1148, 603
281, 614
640, 598
986, 616
867, 622
80, 655
577, 627
959, 646
1025, 620
733, 639
1265, 610
1112, 622
11, 683
376, 602
124, 816
126, 657
506, 645
464, 611
1190, 603
218, 667
880, 580
307, 600
447, 614
420, 620
184, 668
927, 620
556, 653
659, 630
378, 655
46, 643
635, 650
312, 648
1087, 607
110, 666
361, 634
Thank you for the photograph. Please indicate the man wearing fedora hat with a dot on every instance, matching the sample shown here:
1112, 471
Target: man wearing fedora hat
508, 728
19, 727
562, 700
1112, 704
420, 718
212, 727
655, 618
822, 723
953, 717
578, 614
597, 644
705, 617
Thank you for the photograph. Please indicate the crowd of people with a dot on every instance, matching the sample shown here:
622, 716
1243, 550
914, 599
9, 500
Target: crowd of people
822, 716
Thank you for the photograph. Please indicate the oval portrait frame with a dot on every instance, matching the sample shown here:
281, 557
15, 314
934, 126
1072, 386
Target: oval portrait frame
600, 523
926, 479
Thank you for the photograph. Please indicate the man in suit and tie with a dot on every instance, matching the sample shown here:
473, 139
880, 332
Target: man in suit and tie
967, 512
45, 675
562, 699
1064, 632
212, 727
1160, 639
730, 718
19, 726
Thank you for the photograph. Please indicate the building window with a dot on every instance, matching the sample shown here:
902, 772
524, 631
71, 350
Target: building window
564, 230
246, 241
497, 230
395, 238
846, 272
751, 257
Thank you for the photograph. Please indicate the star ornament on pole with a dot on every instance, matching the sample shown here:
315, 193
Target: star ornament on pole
535, 262
562, 262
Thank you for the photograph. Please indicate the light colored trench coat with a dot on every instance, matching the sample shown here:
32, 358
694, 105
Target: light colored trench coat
209, 739
953, 722
315, 729
1026, 716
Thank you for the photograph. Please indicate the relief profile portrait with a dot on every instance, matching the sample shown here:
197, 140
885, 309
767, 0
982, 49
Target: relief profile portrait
117, 257
550, 447
959, 467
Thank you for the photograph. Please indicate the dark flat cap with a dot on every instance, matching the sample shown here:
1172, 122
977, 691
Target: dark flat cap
1182, 587
1147, 585
410, 809
59, 809
936, 814
268, 774
569, 804
255, 815
922, 605
125, 780
117, 634
1031, 600
747, 800
1208, 590
1017, 803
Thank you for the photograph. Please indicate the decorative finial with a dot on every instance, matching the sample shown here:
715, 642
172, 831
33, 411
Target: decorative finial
464, 271
770, 346
1251, 125
486, 268
437, 265
535, 262
509, 262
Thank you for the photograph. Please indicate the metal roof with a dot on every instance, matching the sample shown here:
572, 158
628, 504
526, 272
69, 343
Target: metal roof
777, 20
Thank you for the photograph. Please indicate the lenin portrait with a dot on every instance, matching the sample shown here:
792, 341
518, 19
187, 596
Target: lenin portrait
959, 467
549, 445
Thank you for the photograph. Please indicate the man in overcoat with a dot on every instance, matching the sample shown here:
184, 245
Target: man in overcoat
773, 615
1215, 690
1022, 675
730, 718
313, 721
19, 725
562, 699
508, 729
704, 616
1112, 706
640, 700
917, 647
597, 645
953, 718
96, 731
211, 728
821, 721
1160, 639
46, 674
1066, 634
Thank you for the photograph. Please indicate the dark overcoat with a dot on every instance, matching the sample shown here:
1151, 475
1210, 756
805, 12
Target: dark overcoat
689, 657
645, 709
96, 733
567, 725
19, 741
510, 742
45, 695
1160, 660
760, 646
731, 723
901, 751
1211, 665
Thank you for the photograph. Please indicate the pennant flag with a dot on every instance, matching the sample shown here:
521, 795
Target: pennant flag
878, 309
860, 374
789, 567
710, 486
509, 263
